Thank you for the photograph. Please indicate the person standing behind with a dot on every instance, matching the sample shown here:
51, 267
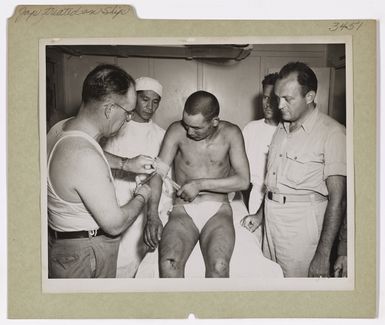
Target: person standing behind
257, 135
140, 136
305, 200
84, 218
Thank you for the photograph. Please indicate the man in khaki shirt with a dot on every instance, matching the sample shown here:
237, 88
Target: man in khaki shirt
305, 199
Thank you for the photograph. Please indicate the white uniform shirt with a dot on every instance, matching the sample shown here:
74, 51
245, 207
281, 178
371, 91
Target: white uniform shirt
132, 140
257, 135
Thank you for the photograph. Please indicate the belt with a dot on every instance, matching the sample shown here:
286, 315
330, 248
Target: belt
77, 234
284, 198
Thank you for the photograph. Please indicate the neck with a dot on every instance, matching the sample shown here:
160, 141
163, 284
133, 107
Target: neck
297, 124
271, 121
212, 134
83, 122
138, 119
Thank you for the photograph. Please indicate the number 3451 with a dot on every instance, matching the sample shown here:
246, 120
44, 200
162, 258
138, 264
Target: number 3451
341, 26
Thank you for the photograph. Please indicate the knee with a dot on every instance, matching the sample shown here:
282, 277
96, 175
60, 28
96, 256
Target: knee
219, 268
170, 267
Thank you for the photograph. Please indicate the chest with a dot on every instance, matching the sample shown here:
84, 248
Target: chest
299, 146
198, 153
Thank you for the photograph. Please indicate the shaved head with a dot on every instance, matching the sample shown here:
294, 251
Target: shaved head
204, 103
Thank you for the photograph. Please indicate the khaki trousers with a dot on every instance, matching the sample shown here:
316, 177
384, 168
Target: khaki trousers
291, 234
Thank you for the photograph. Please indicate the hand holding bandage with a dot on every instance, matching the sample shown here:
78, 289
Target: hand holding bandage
189, 191
140, 165
162, 169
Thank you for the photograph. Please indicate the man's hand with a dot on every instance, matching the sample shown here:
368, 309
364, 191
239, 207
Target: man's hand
252, 221
153, 232
341, 267
142, 189
189, 191
139, 165
319, 266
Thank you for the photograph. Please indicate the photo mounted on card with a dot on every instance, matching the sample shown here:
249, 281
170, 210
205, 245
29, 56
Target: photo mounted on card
194, 165
211, 234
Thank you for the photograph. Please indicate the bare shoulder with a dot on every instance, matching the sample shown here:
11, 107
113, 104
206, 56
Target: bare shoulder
230, 130
80, 155
175, 131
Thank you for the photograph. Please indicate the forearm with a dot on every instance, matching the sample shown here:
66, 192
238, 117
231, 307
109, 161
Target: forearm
117, 162
115, 221
224, 185
156, 192
131, 211
334, 214
342, 245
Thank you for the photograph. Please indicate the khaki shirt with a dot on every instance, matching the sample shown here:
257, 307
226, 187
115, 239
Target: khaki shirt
299, 162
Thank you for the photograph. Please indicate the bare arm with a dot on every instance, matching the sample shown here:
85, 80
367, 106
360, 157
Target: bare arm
341, 263
334, 214
153, 230
139, 165
94, 186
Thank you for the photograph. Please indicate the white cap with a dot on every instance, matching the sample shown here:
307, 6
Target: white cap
146, 83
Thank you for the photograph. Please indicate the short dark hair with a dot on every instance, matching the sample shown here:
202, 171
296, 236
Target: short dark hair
270, 79
202, 102
305, 76
104, 80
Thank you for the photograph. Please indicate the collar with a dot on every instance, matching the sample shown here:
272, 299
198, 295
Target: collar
141, 124
307, 125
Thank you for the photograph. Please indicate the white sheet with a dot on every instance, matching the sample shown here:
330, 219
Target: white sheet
247, 260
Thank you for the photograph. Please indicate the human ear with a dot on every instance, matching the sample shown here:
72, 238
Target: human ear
215, 121
310, 96
107, 110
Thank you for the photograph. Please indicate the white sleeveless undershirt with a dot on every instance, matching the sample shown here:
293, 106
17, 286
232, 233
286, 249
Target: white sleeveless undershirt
64, 215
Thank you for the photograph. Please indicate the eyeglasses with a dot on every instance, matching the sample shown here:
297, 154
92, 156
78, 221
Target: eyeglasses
129, 114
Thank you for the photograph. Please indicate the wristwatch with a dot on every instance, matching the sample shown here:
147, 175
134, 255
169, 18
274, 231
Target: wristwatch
123, 162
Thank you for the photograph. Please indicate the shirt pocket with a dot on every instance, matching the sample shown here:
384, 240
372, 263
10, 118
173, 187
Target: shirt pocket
303, 168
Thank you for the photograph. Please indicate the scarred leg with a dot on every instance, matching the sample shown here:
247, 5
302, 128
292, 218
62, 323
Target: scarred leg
217, 243
179, 237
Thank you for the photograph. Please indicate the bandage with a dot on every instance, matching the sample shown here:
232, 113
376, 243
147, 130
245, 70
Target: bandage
162, 169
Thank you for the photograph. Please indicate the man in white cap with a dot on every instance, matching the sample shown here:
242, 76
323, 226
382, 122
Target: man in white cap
140, 136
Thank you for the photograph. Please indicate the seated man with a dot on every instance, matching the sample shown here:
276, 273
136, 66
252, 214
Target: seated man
209, 161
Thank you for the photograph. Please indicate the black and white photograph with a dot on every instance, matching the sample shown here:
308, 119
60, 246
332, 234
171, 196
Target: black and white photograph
208, 165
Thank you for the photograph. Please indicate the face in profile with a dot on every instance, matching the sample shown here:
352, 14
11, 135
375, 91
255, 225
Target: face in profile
269, 102
292, 103
124, 108
146, 105
196, 126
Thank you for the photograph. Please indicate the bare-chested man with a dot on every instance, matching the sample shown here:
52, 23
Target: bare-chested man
209, 162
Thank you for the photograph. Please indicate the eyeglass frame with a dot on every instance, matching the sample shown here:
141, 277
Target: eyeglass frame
129, 114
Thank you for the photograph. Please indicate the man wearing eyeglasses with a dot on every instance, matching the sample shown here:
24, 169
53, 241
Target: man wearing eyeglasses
140, 137
84, 217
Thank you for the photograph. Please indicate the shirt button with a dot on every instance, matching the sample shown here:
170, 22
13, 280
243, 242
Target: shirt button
280, 155
273, 173
295, 158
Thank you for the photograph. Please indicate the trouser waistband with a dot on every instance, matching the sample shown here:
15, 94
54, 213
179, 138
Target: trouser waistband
77, 234
285, 198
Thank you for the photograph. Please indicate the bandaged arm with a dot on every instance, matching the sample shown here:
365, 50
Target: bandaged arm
167, 154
